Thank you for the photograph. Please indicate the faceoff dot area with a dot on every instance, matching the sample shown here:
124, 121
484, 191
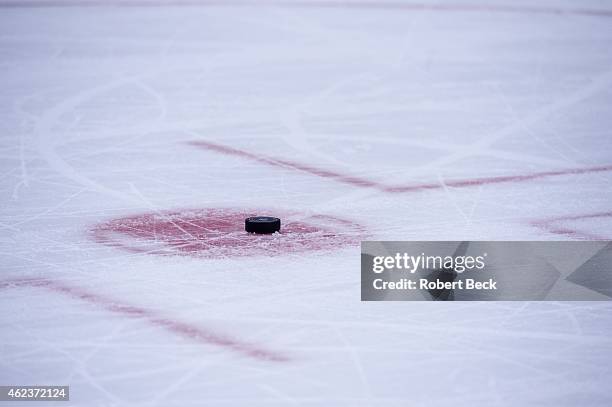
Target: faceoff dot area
219, 233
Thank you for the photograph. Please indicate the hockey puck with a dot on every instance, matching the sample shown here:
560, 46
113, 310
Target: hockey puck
262, 224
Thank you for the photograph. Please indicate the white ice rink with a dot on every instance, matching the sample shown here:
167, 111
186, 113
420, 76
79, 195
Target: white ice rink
134, 134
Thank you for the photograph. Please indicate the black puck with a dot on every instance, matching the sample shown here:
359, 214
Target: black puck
262, 224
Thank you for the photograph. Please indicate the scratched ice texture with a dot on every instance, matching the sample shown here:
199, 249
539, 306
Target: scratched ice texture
134, 135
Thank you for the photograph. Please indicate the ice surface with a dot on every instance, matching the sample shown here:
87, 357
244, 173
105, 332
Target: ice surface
99, 107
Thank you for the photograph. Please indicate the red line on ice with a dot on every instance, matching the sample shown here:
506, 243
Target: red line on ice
365, 183
347, 179
380, 5
183, 329
551, 225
